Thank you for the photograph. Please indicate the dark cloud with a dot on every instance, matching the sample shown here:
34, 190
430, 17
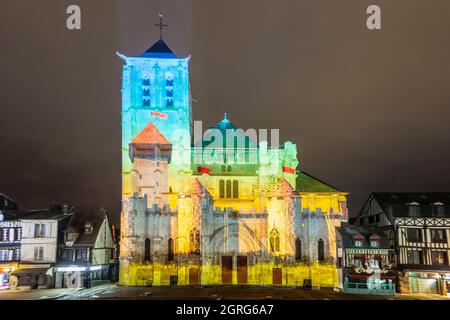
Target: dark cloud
368, 110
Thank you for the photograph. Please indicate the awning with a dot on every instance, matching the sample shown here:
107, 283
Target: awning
30, 271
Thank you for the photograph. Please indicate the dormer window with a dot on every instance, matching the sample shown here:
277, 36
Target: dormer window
88, 227
374, 241
358, 241
414, 209
70, 236
438, 210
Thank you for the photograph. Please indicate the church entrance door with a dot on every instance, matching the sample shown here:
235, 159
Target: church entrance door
277, 276
242, 269
193, 276
227, 269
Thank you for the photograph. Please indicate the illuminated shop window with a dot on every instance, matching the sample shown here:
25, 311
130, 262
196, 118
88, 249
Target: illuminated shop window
439, 258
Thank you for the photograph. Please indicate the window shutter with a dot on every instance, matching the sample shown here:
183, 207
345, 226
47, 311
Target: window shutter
36, 253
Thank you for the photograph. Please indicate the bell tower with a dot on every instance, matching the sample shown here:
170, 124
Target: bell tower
155, 88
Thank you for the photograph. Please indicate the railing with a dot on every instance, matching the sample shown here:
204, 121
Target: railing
376, 289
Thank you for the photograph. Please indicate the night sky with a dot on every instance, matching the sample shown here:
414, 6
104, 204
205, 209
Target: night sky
369, 110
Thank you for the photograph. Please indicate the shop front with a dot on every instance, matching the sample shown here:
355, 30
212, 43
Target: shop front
5, 274
32, 276
424, 282
76, 276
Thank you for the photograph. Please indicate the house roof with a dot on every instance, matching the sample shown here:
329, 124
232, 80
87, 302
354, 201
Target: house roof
397, 204
150, 135
159, 50
350, 230
77, 224
307, 183
7, 203
55, 212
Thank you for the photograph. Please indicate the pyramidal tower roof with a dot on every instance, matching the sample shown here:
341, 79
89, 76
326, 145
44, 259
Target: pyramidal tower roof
150, 135
197, 188
284, 188
159, 49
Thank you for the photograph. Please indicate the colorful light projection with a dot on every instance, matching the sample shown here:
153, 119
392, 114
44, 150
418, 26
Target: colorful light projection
178, 193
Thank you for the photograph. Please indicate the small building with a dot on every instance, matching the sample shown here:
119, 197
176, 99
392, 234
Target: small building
10, 238
40, 232
418, 229
364, 253
86, 252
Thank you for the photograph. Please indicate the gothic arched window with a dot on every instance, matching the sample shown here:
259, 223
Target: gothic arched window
320, 250
221, 189
195, 241
298, 249
274, 240
228, 189
147, 255
235, 189
170, 250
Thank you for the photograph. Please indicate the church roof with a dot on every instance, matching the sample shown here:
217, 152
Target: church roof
197, 188
150, 135
224, 125
159, 50
307, 183
284, 188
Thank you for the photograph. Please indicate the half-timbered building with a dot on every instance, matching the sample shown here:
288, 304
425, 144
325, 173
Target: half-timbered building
418, 229
364, 254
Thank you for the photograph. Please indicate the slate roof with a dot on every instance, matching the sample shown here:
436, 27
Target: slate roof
159, 50
307, 183
55, 212
397, 204
349, 231
150, 135
7, 203
77, 224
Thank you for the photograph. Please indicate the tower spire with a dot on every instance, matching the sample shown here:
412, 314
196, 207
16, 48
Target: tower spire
160, 25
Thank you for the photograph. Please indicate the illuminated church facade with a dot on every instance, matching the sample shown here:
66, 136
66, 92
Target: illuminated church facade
193, 214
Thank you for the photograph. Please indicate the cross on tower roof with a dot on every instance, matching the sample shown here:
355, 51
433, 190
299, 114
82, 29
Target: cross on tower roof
160, 25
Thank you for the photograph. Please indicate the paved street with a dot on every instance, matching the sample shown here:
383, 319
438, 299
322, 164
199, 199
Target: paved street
113, 292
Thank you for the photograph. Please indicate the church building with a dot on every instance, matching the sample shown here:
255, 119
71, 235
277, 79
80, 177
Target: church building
199, 212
